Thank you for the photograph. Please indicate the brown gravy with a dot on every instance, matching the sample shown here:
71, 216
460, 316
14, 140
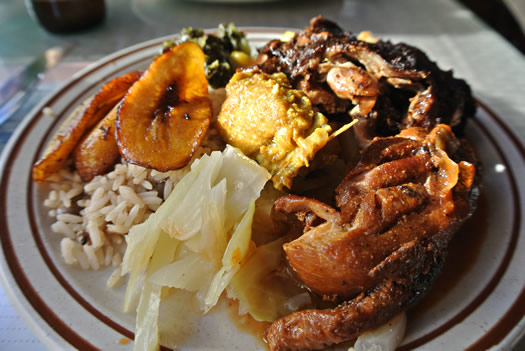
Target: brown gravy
247, 324
462, 255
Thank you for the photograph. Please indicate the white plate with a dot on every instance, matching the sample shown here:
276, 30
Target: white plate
477, 302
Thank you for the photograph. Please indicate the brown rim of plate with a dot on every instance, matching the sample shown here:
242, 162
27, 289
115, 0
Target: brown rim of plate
502, 327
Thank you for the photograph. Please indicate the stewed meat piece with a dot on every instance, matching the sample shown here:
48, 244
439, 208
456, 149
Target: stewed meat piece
389, 87
387, 240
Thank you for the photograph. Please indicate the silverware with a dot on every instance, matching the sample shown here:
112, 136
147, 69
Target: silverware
15, 91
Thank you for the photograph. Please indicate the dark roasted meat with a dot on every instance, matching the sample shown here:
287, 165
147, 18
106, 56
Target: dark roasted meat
388, 86
384, 245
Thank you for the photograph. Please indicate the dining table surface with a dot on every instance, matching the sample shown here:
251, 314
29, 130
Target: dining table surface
450, 33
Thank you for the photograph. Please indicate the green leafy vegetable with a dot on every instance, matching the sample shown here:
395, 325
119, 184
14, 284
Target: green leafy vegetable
225, 51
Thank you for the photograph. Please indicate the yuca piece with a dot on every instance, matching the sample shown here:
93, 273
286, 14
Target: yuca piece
166, 114
78, 122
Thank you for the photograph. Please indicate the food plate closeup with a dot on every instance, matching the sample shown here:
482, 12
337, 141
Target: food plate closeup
475, 304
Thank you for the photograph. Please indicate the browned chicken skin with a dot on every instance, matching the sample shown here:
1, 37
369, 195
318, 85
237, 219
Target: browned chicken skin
398, 209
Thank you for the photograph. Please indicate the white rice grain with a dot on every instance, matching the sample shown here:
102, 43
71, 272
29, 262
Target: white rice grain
95, 234
82, 202
96, 183
69, 218
129, 194
117, 228
92, 257
108, 255
53, 195
146, 184
76, 189
121, 219
168, 187
64, 198
118, 182
98, 194
106, 210
62, 228
110, 217
67, 248
151, 199
73, 253
139, 177
132, 215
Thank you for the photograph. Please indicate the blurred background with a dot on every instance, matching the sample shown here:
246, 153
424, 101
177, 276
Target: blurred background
120, 23
128, 22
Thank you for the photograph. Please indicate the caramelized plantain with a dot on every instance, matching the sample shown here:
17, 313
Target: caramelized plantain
163, 118
82, 119
97, 152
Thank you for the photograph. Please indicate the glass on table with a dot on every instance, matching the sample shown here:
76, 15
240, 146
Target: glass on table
61, 16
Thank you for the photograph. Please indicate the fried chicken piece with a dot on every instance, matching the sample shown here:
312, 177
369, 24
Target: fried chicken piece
381, 250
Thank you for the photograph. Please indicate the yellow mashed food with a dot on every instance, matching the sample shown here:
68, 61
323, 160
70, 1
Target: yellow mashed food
272, 123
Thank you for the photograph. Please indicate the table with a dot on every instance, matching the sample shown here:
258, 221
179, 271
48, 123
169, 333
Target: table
448, 32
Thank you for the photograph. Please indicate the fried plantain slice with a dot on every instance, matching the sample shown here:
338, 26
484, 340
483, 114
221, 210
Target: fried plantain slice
163, 118
97, 152
82, 119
